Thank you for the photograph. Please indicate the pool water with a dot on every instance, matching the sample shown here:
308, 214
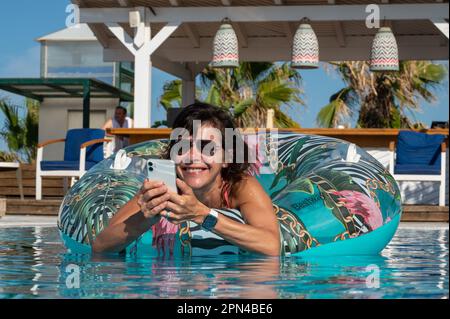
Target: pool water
35, 264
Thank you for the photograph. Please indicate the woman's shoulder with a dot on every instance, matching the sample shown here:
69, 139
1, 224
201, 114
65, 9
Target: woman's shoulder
246, 181
246, 189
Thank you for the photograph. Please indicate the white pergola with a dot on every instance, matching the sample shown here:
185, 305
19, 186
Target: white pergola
176, 36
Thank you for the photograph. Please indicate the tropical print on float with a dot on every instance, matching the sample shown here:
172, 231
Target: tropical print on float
328, 182
93, 201
101, 192
323, 190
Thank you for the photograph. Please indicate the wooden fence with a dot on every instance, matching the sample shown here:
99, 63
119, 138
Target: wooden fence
52, 187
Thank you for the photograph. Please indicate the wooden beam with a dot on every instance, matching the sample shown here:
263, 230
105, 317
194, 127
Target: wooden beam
339, 30
162, 36
129, 30
241, 34
188, 92
122, 36
100, 32
148, 46
192, 34
340, 36
391, 25
442, 26
418, 11
124, 3
175, 68
198, 67
188, 28
238, 28
278, 49
290, 30
78, 2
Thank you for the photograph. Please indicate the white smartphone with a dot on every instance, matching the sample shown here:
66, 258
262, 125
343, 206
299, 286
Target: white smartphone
163, 171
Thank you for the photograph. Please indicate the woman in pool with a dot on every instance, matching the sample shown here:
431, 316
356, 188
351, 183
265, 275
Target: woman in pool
204, 183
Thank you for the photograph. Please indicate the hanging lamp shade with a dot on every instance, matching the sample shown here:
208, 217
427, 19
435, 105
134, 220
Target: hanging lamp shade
384, 56
305, 48
225, 50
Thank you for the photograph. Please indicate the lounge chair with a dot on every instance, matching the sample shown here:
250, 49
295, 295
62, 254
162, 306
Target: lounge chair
419, 157
83, 149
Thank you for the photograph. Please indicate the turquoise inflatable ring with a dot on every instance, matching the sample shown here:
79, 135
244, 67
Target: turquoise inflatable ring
330, 197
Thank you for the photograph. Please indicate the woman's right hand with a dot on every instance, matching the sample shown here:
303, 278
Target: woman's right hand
153, 198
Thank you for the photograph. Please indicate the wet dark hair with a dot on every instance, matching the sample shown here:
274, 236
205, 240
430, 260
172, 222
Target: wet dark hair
219, 119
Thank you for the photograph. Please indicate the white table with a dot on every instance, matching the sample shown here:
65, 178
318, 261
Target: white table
15, 166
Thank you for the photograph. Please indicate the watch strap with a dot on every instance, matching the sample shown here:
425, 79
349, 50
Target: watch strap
210, 220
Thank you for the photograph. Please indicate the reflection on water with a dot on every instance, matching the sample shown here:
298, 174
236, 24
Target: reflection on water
34, 264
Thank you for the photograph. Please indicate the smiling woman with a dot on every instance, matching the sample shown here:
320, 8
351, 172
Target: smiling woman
306, 195
206, 183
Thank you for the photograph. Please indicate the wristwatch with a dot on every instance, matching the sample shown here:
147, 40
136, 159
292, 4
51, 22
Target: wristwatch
210, 220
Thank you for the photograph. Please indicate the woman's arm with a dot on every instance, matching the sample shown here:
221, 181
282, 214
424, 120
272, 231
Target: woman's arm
260, 234
133, 219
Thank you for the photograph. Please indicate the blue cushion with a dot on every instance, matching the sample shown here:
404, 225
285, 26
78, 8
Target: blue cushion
64, 165
419, 148
76, 137
415, 169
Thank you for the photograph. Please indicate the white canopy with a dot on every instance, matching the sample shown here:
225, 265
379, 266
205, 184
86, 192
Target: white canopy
176, 35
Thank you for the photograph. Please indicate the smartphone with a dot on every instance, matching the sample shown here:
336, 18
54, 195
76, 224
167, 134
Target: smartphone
163, 171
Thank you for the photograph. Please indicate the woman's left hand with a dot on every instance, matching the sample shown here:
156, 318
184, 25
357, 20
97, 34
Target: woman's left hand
185, 207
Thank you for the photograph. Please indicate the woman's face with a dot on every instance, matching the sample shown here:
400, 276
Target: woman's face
201, 161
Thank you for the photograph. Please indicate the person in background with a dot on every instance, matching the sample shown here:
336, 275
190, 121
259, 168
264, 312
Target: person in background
120, 120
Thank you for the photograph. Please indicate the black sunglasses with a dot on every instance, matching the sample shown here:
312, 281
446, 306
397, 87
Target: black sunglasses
185, 145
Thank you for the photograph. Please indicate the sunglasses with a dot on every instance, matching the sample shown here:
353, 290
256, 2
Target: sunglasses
206, 147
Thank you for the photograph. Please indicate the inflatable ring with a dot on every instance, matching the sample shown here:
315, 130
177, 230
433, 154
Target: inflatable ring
330, 197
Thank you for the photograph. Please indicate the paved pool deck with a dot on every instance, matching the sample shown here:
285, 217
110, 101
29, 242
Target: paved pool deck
50, 221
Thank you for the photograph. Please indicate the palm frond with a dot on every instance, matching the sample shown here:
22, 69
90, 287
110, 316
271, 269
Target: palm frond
172, 95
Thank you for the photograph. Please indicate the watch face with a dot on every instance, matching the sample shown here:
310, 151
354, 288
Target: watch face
209, 222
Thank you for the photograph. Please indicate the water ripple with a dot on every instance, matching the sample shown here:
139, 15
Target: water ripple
33, 265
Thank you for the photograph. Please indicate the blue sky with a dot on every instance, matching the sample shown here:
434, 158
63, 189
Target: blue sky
22, 21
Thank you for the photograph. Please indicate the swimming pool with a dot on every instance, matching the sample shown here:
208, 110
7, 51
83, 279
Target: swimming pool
34, 264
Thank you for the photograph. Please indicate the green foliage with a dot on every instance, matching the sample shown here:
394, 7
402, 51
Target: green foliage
382, 100
159, 124
340, 106
172, 95
251, 90
21, 134
8, 157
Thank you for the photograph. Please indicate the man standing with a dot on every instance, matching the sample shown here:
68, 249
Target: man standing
120, 120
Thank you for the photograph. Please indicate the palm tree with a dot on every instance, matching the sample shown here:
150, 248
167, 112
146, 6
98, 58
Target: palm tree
248, 92
31, 127
338, 110
8, 157
171, 98
172, 95
252, 89
20, 134
382, 99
